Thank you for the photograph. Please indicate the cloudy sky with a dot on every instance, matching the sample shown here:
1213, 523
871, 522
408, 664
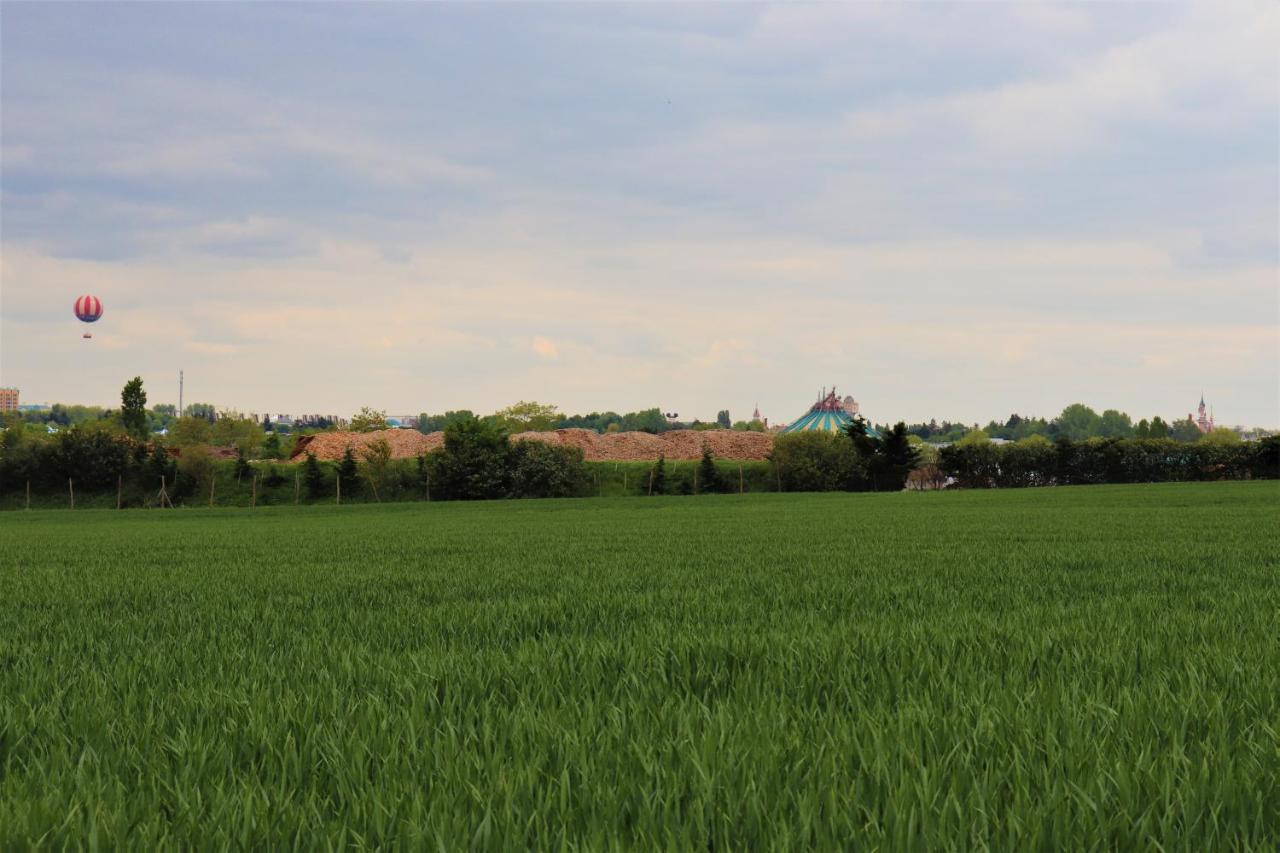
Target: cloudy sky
952, 211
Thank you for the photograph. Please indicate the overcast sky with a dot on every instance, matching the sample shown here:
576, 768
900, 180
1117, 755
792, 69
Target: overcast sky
953, 211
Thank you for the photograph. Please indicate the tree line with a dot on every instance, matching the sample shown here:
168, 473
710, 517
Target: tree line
1076, 422
526, 416
117, 450
975, 462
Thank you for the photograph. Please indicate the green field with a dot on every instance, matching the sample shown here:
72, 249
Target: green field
1087, 667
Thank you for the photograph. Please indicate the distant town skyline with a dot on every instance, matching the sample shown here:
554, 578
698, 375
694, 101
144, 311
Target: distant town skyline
955, 211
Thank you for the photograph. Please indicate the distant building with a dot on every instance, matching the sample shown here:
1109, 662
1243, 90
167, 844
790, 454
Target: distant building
402, 421
8, 399
1203, 421
828, 414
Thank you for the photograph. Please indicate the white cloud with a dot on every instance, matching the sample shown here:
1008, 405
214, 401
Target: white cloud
951, 211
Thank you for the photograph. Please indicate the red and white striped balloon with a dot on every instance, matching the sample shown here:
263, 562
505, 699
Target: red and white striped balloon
88, 309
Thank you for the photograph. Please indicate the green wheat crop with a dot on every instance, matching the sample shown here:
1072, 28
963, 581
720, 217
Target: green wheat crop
1075, 668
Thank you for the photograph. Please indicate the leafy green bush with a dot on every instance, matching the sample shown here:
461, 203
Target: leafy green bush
472, 463
1033, 462
93, 454
816, 462
541, 470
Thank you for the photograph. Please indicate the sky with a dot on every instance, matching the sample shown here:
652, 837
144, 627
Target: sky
952, 211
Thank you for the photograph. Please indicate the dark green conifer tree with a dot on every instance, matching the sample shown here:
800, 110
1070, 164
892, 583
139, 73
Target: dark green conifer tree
349, 471
708, 475
659, 482
313, 476
243, 468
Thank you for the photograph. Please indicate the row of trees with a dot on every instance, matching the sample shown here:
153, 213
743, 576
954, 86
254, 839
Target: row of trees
478, 461
975, 462
159, 417
853, 461
533, 416
1076, 422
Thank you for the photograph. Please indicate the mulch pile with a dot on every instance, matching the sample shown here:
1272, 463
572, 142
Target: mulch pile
643, 447
610, 447
405, 443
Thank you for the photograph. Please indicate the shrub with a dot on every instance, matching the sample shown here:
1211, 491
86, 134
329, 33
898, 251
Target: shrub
242, 467
196, 468
93, 454
541, 470
1264, 458
973, 461
377, 462
271, 448
472, 463
1030, 461
816, 462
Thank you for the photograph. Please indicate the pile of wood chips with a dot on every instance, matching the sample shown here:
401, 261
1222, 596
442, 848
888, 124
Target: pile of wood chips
610, 447
643, 447
404, 443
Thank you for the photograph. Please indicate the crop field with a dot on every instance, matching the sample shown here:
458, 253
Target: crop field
1082, 667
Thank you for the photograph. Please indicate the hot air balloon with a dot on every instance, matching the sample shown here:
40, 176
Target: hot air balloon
88, 310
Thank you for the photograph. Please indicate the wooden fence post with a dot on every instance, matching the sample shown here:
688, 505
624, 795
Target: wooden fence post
253, 498
650, 482
72, 490
624, 482
741, 487
339, 482
119, 488
695, 481
28, 494
213, 481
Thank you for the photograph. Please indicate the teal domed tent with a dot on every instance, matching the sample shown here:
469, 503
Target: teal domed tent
826, 415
